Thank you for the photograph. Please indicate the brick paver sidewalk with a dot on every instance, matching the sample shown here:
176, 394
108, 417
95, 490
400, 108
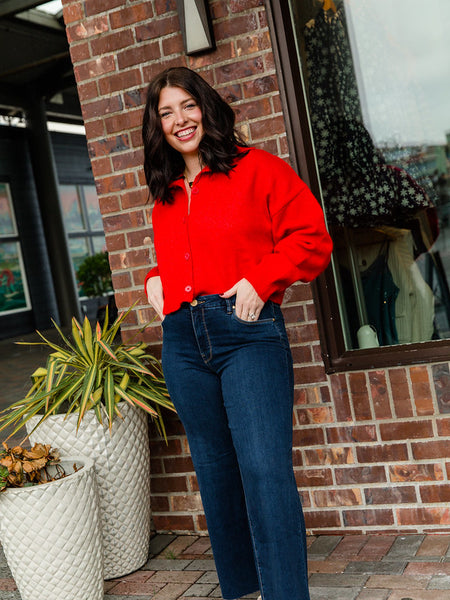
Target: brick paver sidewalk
353, 567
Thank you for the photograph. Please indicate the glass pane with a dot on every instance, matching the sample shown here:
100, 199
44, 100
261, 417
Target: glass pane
99, 243
13, 294
377, 75
6, 215
79, 249
72, 214
92, 207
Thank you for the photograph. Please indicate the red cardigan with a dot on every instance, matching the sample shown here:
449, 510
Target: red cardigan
260, 222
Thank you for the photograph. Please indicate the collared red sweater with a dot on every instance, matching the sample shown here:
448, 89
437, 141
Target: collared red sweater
260, 222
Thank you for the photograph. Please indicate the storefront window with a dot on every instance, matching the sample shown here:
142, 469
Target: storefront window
83, 223
13, 287
376, 75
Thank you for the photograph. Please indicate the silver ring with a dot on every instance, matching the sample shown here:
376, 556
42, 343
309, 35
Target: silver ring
252, 316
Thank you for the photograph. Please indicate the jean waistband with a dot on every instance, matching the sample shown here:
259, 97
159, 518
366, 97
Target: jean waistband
211, 301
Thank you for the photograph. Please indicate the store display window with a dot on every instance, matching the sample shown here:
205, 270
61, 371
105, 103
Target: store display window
13, 286
376, 79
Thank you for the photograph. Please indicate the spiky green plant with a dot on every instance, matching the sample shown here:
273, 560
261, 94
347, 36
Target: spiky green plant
92, 372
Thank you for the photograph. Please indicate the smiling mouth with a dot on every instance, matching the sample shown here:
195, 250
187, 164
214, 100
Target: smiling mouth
185, 133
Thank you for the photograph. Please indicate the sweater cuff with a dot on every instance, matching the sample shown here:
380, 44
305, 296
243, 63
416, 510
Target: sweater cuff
152, 273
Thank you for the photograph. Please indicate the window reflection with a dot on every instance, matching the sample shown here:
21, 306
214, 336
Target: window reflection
376, 75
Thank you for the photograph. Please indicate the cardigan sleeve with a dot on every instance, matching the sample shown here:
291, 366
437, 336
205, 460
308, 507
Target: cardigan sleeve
301, 243
152, 273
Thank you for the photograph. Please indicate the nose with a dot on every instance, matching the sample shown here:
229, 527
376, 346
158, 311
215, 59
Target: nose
180, 117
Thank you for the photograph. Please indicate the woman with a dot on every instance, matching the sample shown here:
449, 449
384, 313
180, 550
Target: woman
233, 227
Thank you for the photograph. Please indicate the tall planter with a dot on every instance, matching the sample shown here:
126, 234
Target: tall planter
122, 465
51, 536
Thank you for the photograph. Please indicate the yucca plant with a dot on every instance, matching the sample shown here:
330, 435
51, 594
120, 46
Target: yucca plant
91, 372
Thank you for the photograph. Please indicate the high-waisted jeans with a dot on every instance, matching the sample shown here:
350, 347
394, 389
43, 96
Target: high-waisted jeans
232, 384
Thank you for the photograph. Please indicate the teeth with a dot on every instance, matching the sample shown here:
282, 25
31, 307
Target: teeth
186, 132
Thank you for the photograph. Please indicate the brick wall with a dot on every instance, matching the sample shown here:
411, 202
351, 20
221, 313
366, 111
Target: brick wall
371, 448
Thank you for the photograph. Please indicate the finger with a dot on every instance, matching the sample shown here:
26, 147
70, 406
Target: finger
229, 293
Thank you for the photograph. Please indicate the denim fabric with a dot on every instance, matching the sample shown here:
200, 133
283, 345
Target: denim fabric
232, 384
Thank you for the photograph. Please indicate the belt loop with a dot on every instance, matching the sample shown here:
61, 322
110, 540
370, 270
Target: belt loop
230, 304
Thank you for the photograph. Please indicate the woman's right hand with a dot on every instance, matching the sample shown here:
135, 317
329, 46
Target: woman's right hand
155, 294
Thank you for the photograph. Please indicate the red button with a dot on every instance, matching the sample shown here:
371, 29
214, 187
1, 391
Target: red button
188, 288
187, 256
194, 190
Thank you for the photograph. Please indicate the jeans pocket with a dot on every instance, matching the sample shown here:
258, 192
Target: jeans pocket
266, 316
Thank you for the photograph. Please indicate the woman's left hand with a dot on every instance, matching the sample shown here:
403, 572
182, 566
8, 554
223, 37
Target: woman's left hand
248, 303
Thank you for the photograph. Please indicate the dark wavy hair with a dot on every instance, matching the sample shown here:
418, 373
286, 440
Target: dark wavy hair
218, 148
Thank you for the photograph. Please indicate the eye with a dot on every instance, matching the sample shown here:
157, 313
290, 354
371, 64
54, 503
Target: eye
164, 114
190, 106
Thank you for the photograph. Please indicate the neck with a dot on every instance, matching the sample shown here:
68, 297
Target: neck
192, 167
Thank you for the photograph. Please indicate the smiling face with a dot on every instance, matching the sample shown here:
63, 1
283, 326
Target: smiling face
181, 120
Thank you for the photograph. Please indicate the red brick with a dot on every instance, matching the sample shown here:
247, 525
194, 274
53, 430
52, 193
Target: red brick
360, 396
324, 498
340, 395
162, 7
157, 28
95, 68
308, 436
87, 91
322, 518
72, 13
94, 129
180, 464
102, 107
168, 484
400, 392
358, 433
406, 430
131, 15
122, 121
313, 477
107, 146
127, 160
391, 495
416, 472
241, 5
225, 51
299, 334
431, 449
171, 448
303, 375
369, 517
160, 504
423, 516
115, 183
382, 453
260, 86
173, 523
101, 166
186, 503
358, 475
87, 28
309, 416
423, 399
380, 396
329, 456
267, 127
115, 242
94, 7
235, 26
138, 55
443, 427
80, 52
116, 222
301, 354
435, 493
120, 81
112, 42
219, 9
239, 70
121, 281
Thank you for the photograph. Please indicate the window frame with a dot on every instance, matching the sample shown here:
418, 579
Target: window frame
335, 356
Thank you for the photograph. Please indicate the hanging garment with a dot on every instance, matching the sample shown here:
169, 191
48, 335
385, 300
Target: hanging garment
380, 293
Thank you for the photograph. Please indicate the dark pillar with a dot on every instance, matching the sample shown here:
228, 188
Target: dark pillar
45, 176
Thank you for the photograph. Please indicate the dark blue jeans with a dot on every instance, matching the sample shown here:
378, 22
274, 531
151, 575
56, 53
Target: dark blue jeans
232, 384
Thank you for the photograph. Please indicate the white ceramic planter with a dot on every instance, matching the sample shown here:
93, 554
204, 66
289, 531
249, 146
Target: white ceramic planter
51, 536
122, 465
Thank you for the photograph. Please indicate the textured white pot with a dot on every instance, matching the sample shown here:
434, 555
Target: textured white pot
51, 536
122, 465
